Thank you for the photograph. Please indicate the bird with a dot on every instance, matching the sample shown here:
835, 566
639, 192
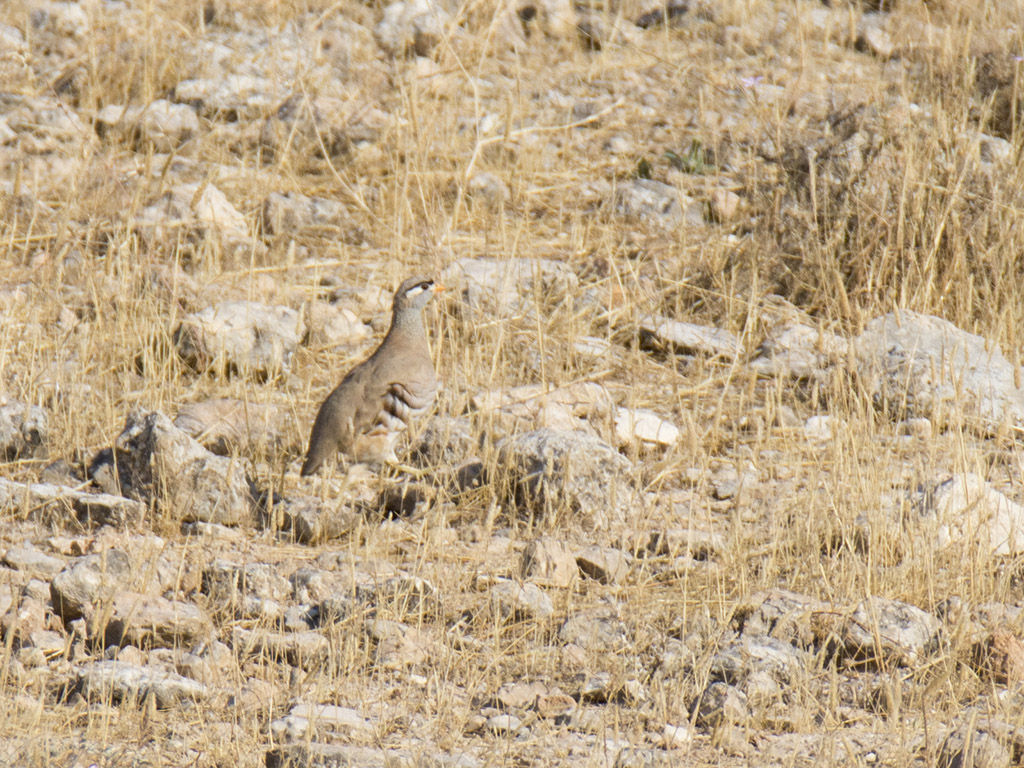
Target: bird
378, 399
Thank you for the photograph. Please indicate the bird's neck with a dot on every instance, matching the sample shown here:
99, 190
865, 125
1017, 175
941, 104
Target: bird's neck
406, 324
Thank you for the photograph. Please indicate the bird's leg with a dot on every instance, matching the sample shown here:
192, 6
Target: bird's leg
407, 469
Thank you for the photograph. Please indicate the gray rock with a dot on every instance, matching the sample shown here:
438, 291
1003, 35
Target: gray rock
331, 717
318, 755
655, 202
967, 748
781, 614
227, 425
232, 95
312, 520
549, 561
721, 704
658, 330
240, 337
190, 212
822, 429
412, 27
445, 441
688, 542
965, 508
900, 633
118, 681
749, 655
23, 431
506, 287
308, 129
399, 645
919, 366
550, 473
289, 729
302, 649
644, 427
330, 325
872, 36
87, 581
147, 621
243, 591
504, 725
32, 560
489, 189
599, 629
604, 564
58, 503
521, 602
163, 125
799, 352
293, 214
158, 463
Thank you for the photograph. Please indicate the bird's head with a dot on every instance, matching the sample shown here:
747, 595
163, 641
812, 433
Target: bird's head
415, 293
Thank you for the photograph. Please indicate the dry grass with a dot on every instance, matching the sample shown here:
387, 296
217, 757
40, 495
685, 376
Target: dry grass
916, 222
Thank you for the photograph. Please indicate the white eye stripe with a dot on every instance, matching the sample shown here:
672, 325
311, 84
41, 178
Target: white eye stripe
416, 290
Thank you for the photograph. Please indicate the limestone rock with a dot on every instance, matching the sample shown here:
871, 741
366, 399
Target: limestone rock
507, 287
241, 337
119, 682
521, 602
650, 200
721, 704
31, 560
158, 463
293, 214
549, 561
87, 581
231, 95
966, 508
412, 27
312, 520
58, 502
639, 425
162, 124
901, 633
23, 430
192, 210
330, 325
306, 649
658, 330
917, 365
799, 352
604, 564
225, 425
550, 472
252, 590
154, 621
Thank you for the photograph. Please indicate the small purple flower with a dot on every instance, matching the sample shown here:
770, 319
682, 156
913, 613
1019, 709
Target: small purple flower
1018, 58
750, 82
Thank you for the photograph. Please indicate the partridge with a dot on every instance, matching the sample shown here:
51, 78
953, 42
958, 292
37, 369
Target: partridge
377, 400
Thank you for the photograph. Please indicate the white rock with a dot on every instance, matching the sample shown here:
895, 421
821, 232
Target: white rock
503, 287
240, 336
193, 207
674, 736
966, 508
640, 424
690, 336
917, 365
411, 26
798, 351
331, 716
238, 93
819, 429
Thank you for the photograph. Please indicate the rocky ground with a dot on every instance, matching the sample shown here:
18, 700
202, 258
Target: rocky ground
725, 467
